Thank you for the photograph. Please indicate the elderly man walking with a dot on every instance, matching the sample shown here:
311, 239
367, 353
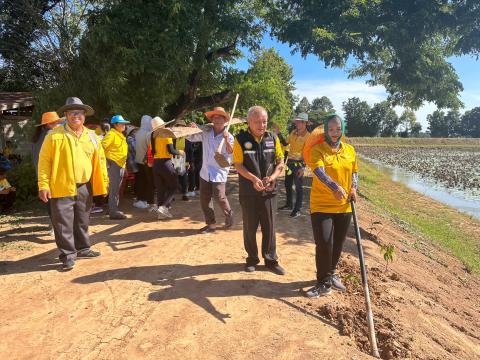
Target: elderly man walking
213, 177
72, 168
258, 158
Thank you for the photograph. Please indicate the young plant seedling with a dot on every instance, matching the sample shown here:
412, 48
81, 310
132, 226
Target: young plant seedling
388, 252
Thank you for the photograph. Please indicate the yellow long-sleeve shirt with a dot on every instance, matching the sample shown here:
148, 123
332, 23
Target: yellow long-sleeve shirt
60, 166
116, 147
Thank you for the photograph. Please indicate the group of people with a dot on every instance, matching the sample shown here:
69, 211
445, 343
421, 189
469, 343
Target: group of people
74, 165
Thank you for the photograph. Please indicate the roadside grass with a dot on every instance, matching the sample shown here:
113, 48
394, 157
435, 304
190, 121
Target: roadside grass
457, 233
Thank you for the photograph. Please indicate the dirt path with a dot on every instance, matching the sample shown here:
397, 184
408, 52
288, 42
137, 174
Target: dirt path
160, 291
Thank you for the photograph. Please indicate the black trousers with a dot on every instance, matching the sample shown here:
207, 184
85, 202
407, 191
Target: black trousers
70, 217
194, 176
166, 181
183, 181
291, 179
329, 232
259, 210
7, 200
144, 183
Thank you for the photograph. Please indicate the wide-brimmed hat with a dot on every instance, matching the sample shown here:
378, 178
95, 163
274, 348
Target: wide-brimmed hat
118, 119
74, 103
157, 123
301, 117
218, 110
49, 118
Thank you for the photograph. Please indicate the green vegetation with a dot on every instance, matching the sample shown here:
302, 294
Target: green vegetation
455, 232
416, 142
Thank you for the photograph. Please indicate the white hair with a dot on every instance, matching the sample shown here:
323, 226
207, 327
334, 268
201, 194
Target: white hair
256, 110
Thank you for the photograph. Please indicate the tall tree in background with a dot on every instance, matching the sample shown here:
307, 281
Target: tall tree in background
415, 129
269, 83
454, 123
438, 126
383, 120
407, 120
357, 118
470, 123
303, 106
320, 107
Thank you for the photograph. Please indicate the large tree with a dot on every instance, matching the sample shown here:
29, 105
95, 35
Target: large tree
438, 126
357, 118
303, 106
268, 83
402, 45
471, 123
385, 118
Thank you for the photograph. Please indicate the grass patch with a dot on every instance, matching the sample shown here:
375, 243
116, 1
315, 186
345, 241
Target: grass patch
455, 232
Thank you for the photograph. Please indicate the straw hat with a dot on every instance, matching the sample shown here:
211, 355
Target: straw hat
157, 123
74, 103
49, 118
218, 110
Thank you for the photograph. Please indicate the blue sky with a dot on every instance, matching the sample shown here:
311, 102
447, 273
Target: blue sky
314, 80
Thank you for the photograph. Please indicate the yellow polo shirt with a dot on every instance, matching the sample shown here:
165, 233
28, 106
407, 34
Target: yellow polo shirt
296, 144
161, 151
82, 153
238, 152
116, 148
339, 166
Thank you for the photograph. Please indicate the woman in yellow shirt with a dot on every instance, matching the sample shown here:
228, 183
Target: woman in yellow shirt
334, 164
164, 174
116, 149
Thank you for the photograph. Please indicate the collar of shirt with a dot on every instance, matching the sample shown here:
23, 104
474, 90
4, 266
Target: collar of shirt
73, 133
211, 171
118, 133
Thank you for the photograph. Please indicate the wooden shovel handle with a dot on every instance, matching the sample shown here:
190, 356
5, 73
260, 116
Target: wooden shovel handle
229, 121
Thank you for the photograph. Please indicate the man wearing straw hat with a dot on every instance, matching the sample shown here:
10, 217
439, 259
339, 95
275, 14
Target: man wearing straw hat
258, 158
72, 168
213, 177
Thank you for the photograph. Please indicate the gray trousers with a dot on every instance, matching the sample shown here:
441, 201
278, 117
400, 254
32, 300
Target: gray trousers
217, 191
70, 217
115, 174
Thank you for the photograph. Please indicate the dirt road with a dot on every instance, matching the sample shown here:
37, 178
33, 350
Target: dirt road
161, 291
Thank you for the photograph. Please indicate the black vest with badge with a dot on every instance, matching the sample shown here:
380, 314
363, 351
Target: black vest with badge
259, 159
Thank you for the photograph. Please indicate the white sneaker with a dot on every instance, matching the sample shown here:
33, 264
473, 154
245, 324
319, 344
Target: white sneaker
140, 204
153, 209
164, 211
191, 194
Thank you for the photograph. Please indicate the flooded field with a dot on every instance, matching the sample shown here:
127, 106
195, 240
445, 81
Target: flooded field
447, 170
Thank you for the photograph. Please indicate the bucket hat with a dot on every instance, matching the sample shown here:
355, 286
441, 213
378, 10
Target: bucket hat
74, 103
301, 117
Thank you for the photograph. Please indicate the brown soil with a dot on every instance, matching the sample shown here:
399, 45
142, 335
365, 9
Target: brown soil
161, 291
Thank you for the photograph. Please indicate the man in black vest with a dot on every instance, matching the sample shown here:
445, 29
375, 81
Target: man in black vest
258, 158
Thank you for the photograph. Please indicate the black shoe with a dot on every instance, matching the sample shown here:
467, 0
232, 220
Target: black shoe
88, 254
229, 221
286, 207
318, 290
295, 213
206, 230
337, 283
276, 269
250, 268
68, 265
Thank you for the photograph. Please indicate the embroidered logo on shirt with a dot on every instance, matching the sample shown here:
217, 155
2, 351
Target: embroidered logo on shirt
269, 143
248, 145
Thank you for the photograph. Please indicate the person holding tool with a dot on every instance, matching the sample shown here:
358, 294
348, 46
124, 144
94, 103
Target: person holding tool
213, 176
335, 183
258, 158
295, 164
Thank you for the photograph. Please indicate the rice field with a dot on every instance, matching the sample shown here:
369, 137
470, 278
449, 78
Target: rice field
452, 163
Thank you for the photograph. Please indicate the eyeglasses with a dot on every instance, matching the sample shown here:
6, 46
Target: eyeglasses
76, 113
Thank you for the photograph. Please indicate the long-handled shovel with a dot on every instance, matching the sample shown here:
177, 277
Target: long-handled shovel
219, 158
371, 328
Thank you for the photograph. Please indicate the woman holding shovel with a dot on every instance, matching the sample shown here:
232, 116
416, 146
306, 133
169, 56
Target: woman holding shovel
216, 141
334, 164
